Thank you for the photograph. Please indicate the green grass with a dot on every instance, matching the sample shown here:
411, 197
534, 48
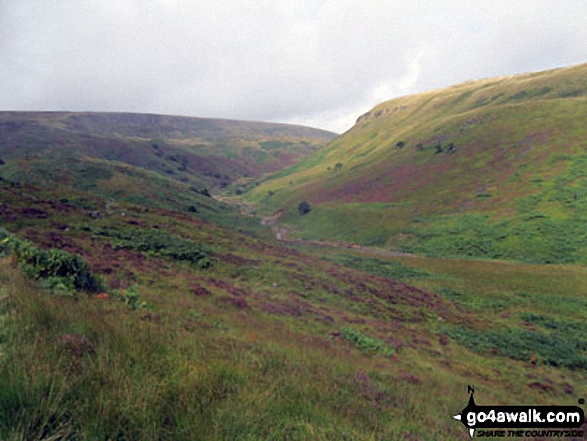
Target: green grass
511, 188
479, 303
90, 369
365, 343
115, 376
539, 347
533, 238
512, 297
159, 243
521, 288
380, 267
299, 340
268, 343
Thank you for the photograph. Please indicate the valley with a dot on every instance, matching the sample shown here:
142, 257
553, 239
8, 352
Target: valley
159, 279
486, 169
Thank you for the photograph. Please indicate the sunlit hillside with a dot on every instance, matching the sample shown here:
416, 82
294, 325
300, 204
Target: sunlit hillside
491, 168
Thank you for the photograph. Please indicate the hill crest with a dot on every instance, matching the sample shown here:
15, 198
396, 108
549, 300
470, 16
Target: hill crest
446, 171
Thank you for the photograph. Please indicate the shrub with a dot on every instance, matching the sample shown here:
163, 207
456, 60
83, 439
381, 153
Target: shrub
58, 267
550, 348
158, 242
131, 297
365, 343
304, 207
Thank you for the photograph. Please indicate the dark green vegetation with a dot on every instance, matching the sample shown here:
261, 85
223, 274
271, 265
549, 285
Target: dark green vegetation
304, 207
380, 267
487, 169
55, 266
157, 242
373, 345
527, 345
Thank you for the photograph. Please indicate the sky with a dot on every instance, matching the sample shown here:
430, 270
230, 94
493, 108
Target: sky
321, 63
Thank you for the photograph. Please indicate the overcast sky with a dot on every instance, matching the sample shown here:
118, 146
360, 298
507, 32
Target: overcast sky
316, 62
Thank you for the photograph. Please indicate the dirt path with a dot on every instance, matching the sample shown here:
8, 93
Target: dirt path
282, 233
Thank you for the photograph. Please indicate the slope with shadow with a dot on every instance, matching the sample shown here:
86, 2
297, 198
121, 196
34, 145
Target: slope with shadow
210, 153
491, 168
152, 160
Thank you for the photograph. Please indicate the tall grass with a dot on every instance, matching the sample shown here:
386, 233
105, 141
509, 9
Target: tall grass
88, 369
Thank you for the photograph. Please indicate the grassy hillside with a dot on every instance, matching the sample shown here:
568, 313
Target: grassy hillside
208, 153
166, 162
134, 306
191, 328
491, 168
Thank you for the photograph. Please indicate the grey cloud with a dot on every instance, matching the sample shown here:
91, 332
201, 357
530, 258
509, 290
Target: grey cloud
307, 61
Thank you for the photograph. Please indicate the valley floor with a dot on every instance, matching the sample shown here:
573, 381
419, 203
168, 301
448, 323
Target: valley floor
206, 333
